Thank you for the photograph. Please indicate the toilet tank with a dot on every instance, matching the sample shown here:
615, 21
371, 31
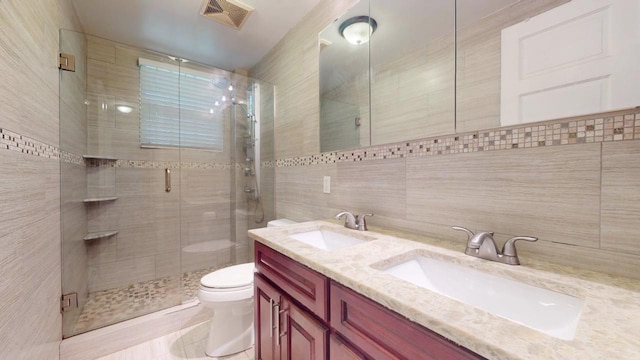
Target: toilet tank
280, 222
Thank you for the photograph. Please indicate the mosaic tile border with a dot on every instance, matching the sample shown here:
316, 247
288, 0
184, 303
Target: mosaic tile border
324, 158
150, 164
72, 158
268, 164
625, 125
12, 141
605, 127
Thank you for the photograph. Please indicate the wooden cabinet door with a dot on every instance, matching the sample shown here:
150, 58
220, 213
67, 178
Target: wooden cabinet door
266, 298
303, 337
341, 350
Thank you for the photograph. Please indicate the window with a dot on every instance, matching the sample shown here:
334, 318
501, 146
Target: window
179, 108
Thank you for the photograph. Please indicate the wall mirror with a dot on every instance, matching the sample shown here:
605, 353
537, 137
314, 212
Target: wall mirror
507, 62
344, 83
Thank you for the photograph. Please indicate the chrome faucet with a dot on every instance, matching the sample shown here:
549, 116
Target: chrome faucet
482, 245
353, 221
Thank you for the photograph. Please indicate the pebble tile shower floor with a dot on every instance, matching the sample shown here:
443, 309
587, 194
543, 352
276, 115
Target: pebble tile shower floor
111, 306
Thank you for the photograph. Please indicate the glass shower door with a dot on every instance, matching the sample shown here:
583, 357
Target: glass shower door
154, 152
120, 220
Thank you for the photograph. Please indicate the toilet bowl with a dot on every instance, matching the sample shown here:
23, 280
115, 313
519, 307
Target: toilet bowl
229, 293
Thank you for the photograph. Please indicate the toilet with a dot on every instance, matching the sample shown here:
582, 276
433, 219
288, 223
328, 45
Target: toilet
229, 293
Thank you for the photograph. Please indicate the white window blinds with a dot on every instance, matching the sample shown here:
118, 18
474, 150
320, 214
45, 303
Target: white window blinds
177, 108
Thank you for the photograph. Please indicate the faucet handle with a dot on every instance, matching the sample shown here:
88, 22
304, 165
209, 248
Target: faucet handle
362, 223
509, 248
460, 228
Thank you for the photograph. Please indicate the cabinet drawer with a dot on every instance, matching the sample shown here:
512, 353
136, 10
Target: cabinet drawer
307, 287
384, 334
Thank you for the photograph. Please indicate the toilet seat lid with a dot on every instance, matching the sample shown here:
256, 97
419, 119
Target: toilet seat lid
230, 277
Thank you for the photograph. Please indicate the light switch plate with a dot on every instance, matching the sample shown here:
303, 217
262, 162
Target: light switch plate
326, 185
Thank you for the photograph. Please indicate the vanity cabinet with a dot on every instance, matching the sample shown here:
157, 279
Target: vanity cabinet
283, 330
292, 312
301, 314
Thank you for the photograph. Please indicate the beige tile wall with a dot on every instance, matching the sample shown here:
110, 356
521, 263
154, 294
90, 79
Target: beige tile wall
30, 241
577, 198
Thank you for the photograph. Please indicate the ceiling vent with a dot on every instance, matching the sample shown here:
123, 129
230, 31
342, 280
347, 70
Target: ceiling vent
229, 12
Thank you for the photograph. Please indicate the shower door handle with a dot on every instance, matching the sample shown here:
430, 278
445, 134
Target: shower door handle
167, 179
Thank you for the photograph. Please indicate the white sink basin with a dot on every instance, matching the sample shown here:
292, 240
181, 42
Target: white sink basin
549, 312
327, 239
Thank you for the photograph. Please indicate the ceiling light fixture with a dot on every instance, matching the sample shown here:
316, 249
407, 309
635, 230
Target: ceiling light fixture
124, 109
358, 29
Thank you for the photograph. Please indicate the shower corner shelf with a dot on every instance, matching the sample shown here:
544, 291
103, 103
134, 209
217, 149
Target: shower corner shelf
99, 199
99, 235
99, 157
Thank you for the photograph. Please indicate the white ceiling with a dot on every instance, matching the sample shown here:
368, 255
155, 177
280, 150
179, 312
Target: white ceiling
175, 27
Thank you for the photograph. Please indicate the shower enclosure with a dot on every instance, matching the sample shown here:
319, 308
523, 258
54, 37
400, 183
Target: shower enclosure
165, 165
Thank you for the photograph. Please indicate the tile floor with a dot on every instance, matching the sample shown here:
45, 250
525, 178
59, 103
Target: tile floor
186, 344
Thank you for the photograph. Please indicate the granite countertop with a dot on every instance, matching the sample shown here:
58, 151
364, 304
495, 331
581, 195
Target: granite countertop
608, 327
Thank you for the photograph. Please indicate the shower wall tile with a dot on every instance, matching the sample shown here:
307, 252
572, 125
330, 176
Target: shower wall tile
101, 110
148, 240
106, 78
620, 196
168, 264
100, 181
552, 193
101, 251
205, 213
101, 49
73, 86
121, 273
